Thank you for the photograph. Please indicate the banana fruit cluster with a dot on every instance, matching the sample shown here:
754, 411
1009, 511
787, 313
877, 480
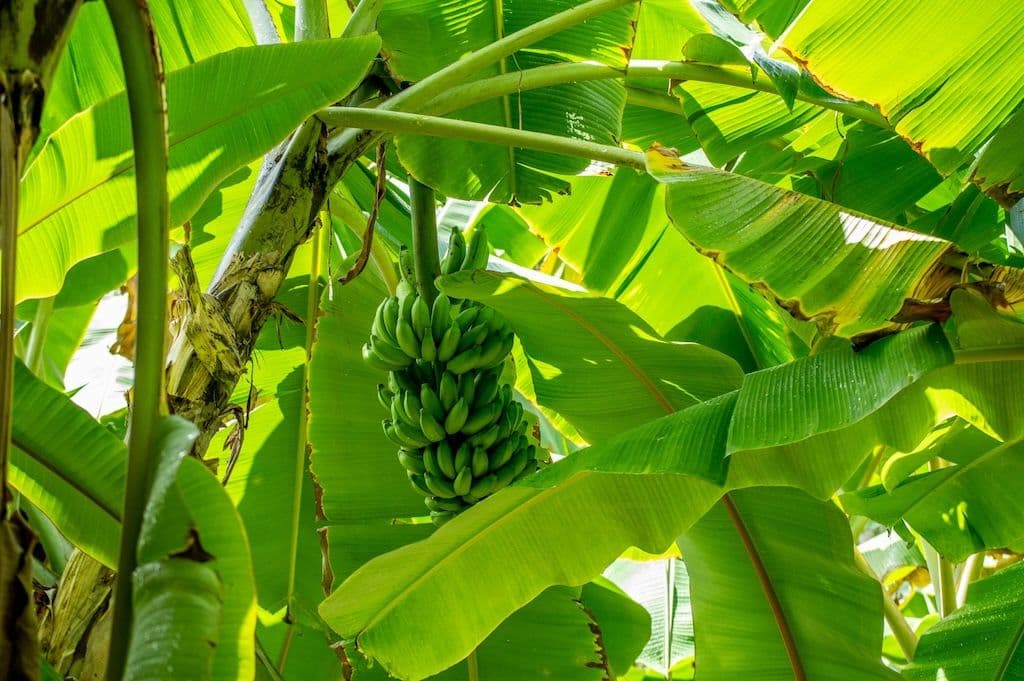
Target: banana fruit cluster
461, 436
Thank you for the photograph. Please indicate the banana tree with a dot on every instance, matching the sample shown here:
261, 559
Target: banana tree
692, 326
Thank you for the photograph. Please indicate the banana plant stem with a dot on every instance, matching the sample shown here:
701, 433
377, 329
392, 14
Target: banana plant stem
349, 145
424, 238
901, 631
942, 575
970, 572
34, 355
474, 667
9, 172
673, 71
418, 124
143, 70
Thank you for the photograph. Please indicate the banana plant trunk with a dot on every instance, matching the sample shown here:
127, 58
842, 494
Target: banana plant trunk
33, 34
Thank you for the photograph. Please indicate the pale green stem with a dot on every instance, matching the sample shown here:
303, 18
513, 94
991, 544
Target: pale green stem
351, 143
417, 124
466, 94
970, 572
942, 577
143, 72
653, 100
901, 631
424, 238
474, 667
34, 355
9, 172
311, 20
363, 19
54, 544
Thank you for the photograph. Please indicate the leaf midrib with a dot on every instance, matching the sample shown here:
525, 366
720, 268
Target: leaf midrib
31, 452
274, 95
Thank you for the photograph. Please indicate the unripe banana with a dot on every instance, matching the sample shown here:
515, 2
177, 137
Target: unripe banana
388, 351
406, 336
440, 487
420, 318
379, 327
411, 405
411, 462
439, 504
402, 382
430, 462
433, 430
493, 352
431, 403
440, 518
484, 486
482, 418
475, 335
485, 438
407, 265
419, 483
449, 343
412, 436
446, 460
501, 454
463, 481
476, 252
464, 456
464, 361
456, 418
375, 360
428, 349
466, 318
456, 253
391, 316
510, 470
467, 388
391, 434
440, 316
448, 391
480, 462
485, 387
384, 396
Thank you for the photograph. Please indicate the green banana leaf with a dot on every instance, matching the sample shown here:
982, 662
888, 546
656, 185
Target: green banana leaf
68, 465
420, 38
982, 640
849, 273
194, 584
830, 610
90, 70
84, 173
957, 509
663, 588
640, 373
773, 16
715, 309
918, 61
624, 624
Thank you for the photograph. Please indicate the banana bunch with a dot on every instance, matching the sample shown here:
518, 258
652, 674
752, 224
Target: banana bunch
460, 434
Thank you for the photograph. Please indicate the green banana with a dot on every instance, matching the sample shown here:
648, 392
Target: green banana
431, 428
476, 335
445, 459
431, 404
375, 360
389, 431
420, 318
402, 382
430, 462
428, 349
485, 438
440, 487
456, 418
502, 453
407, 265
464, 361
485, 387
407, 340
411, 405
438, 504
384, 396
449, 343
411, 462
414, 437
484, 486
456, 253
476, 252
481, 418
419, 483
467, 388
448, 390
512, 468
480, 462
463, 456
379, 326
463, 481
391, 316
388, 351
493, 352
466, 318
439, 518
440, 316
398, 414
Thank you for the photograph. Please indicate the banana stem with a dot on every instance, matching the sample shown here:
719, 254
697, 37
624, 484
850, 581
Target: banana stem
474, 667
901, 631
424, 238
9, 172
37, 338
144, 78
